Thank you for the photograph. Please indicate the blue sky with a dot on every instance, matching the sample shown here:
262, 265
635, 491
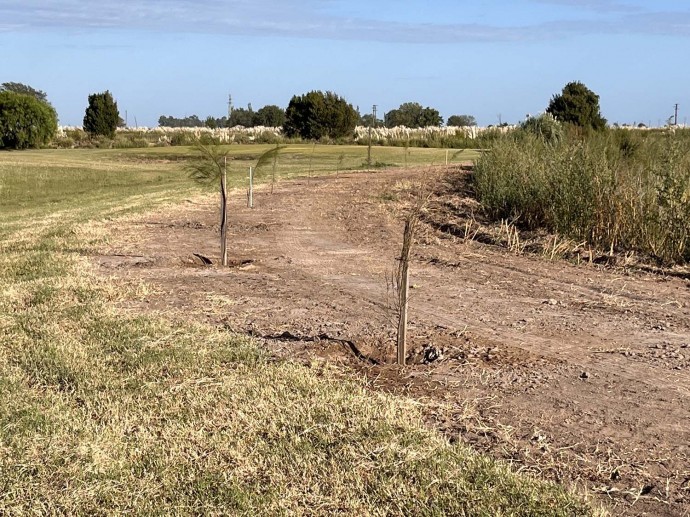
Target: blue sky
490, 58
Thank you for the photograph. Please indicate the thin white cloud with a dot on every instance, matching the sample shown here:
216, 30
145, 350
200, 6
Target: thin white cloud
602, 6
309, 19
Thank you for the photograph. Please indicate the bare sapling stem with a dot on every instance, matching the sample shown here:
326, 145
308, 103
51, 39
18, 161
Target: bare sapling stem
402, 276
224, 213
404, 290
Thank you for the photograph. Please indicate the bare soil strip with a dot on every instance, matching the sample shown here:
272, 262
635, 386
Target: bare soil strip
577, 373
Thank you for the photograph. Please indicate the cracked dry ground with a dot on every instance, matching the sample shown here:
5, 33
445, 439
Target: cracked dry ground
576, 373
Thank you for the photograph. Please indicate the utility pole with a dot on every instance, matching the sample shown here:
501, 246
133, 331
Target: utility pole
675, 116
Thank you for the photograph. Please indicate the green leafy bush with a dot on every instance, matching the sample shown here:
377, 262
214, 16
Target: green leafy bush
461, 120
25, 121
413, 115
577, 105
316, 115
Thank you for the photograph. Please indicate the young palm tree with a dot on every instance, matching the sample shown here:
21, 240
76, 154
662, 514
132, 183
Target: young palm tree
212, 166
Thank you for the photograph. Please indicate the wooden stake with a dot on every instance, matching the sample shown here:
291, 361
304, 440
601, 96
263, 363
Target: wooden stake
404, 290
402, 326
250, 199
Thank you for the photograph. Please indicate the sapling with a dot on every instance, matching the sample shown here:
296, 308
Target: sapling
212, 166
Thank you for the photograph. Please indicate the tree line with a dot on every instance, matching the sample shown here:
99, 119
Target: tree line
268, 116
27, 119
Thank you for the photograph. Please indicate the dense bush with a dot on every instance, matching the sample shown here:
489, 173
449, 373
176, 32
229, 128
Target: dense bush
245, 117
169, 121
577, 105
594, 189
316, 115
25, 121
461, 120
270, 116
130, 142
431, 137
182, 139
101, 117
544, 126
413, 115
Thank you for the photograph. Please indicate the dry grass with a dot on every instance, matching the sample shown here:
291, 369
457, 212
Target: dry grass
103, 412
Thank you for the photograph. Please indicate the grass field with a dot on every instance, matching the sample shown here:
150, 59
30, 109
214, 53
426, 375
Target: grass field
107, 412
48, 180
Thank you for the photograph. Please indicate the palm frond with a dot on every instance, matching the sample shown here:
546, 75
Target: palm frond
208, 166
270, 157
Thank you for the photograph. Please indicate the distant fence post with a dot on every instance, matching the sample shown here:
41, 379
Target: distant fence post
250, 197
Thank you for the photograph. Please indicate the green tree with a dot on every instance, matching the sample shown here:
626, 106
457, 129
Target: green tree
242, 117
577, 105
413, 115
168, 121
315, 115
367, 119
461, 121
102, 116
270, 116
24, 89
25, 121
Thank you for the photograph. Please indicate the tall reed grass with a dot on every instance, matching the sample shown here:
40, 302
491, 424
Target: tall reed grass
617, 190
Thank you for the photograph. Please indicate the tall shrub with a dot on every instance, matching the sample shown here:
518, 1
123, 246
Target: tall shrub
577, 105
101, 117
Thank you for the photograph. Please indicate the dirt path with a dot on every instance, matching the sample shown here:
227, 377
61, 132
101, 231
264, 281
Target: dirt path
576, 373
